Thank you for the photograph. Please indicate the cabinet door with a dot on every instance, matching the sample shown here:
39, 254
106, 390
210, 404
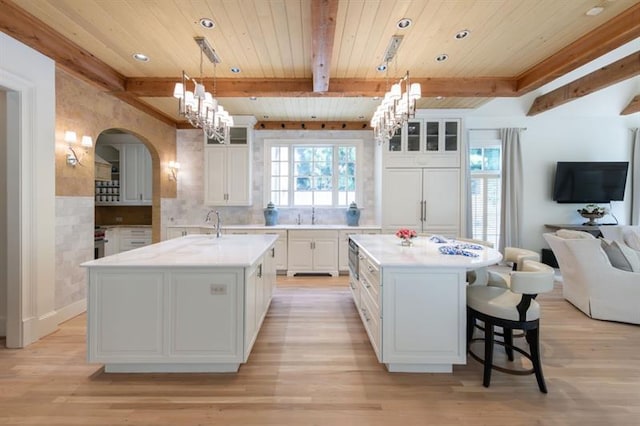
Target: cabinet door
214, 176
401, 199
135, 185
414, 132
238, 176
145, 179
325, 254
300, 254
442, 198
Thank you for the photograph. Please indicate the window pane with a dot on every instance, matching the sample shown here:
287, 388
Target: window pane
492, 159
302, 198
323, 198
323, 154
475, 158
303, 184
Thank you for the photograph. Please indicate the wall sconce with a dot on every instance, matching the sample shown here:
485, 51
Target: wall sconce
70, 138
174, 168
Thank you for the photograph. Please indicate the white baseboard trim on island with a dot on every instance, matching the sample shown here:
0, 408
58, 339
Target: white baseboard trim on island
171, 368
420, 368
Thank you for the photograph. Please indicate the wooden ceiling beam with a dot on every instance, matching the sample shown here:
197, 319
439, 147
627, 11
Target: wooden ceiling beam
616, 72
608, 36
633, 107
323, 28
340, 87
31, 31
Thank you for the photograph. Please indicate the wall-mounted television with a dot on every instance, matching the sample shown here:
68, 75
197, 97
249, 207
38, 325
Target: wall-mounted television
590, 182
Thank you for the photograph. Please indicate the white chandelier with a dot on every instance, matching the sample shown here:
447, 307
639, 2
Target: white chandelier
200, 107
397, 107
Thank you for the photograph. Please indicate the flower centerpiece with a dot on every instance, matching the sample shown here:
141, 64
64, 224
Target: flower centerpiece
592, 212
406, 235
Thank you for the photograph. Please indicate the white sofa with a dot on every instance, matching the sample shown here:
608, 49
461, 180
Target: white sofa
592, 284
628, 234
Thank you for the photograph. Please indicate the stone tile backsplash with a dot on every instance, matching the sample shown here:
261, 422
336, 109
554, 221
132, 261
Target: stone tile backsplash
74, 245
189, 209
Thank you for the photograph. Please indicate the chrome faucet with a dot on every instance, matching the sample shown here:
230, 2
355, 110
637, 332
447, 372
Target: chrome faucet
313, 215
208, 218
218, 224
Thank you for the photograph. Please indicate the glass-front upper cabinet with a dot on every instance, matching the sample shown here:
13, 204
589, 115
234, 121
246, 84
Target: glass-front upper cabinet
442, 135
427, 136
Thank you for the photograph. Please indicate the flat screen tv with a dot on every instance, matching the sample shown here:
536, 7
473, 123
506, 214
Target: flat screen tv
590, 182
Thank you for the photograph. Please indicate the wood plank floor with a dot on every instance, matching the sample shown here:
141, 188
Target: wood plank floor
312, 365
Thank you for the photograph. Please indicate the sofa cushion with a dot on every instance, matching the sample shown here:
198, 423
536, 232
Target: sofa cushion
621, 256
632, 238
571, 234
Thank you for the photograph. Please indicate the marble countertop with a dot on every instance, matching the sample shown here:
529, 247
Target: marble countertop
193, 251
283, 227
386, 250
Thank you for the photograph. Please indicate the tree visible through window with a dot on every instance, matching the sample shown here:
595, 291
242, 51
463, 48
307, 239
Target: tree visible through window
485, 168
313, 175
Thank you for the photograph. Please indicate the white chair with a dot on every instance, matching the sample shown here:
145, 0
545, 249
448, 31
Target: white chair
514, 257
512, 309
592, 284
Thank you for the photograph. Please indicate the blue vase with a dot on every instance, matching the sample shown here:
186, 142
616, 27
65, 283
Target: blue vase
271, 215
353, 214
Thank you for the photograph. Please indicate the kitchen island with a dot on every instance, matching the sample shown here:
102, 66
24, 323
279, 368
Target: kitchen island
191, 304
412, 300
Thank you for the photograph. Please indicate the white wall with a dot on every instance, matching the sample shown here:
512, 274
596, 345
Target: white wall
3, 212
30, 77
586, 129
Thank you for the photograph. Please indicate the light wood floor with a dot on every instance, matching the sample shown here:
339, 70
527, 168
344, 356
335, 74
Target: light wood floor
312, 365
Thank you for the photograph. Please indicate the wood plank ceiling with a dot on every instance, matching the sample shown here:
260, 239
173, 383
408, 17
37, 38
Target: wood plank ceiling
315, 60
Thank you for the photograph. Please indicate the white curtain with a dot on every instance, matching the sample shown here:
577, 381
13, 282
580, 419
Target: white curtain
511, 211
635, 179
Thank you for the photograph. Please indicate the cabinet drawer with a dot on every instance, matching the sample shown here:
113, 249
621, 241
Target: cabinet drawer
129, 243
135, 232
354, 286
371, 319
370, 277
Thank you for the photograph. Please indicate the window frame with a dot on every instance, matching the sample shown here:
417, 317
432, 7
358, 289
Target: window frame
290, 144
485, 175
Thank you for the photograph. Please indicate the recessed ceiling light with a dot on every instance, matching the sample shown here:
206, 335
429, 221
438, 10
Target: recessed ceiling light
382, 67
361, 117
376, 98
441, 58
235, 70
140, 57
594, 11
313, 116
404, 23
207, 23
265, 116
253, 98
439, 98
460, 35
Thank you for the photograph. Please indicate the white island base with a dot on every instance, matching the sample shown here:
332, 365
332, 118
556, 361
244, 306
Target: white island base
192, 304
412, 302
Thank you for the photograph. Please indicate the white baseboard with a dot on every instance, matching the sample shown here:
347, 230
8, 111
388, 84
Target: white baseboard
74, 309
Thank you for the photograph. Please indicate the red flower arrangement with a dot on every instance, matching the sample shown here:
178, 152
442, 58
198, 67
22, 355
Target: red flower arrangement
406, 234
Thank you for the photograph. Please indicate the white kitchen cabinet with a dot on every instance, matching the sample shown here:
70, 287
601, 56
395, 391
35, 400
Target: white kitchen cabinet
135, 175
426, 142
312, 251
111, 241
227, 175
132, 238
429, 201
227, 166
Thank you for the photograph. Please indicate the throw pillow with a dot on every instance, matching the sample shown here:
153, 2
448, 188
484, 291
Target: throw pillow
571, 234
620, 256
632, 238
